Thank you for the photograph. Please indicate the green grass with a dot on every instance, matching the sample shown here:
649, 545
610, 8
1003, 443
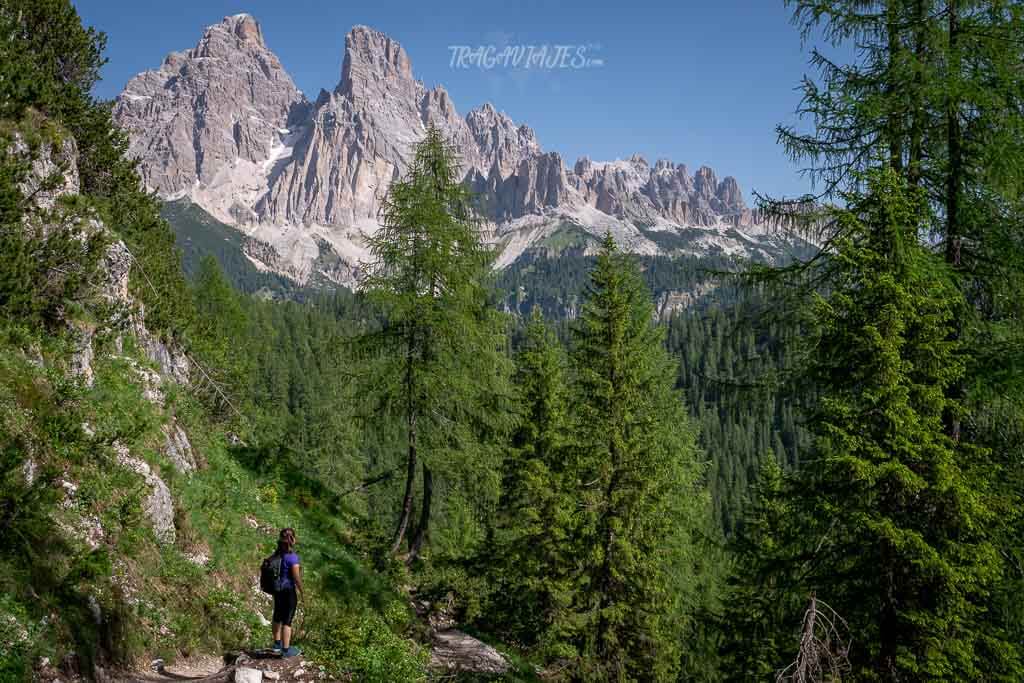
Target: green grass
154, 600
567, 236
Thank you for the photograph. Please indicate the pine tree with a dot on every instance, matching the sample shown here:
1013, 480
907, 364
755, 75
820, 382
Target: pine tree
532, 560
760, 604
890, 519
440, 356
935, 87
220, 323
634, 466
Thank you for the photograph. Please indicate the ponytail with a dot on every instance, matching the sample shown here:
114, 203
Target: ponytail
285, 542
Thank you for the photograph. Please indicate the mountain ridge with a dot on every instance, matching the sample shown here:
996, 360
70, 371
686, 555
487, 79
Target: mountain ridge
224, 125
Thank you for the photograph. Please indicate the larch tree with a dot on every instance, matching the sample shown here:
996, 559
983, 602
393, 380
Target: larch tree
440, 361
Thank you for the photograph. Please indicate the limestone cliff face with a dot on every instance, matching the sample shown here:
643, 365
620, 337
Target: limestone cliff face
207, 109
224, 125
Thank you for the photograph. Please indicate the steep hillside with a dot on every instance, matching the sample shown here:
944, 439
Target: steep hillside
135, 531
133, 515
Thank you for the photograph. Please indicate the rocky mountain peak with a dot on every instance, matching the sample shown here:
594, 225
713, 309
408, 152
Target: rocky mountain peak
705, 182
246, 28
232, 34
729, 193
209, 115
373, 64
499, 140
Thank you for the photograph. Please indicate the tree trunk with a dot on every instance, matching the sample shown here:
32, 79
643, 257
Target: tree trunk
954, 177
888, 626
917, 101
954, 189
410, 480
410, 474
421, 531
892, 87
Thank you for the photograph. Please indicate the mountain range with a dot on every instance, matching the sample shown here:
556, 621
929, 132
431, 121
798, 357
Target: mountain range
223, 126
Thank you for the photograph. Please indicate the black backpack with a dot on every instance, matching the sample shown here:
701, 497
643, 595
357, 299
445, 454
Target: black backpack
272, 574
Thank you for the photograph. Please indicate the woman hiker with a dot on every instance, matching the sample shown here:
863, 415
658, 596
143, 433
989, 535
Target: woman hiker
286, 599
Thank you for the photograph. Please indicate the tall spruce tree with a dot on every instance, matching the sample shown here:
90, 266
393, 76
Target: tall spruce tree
636, 473
891, 523
936, 88
532, 557
440, 356
760, 604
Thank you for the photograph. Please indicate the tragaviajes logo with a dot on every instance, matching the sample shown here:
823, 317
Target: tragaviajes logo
487, 57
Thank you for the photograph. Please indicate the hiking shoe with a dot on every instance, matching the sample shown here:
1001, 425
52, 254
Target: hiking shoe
291, 652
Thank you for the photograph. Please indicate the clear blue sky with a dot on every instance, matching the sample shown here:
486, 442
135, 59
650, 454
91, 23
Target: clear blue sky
695, 82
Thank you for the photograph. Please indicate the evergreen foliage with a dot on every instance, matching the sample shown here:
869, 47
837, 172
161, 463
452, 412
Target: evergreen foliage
532, 567
888, 517
440, 355
635, 472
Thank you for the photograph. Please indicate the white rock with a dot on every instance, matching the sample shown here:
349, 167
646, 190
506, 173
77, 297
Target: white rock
159, 506
456, 651
29, 470
224, 125
247, 675
178, 448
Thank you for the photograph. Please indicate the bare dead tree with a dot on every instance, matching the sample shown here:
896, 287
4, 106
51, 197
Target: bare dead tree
824, 647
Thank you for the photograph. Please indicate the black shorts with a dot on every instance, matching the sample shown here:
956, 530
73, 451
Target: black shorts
285, 603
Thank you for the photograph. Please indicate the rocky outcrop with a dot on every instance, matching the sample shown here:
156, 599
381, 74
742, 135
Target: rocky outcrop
158, 505
178, 448
223, 124
54, 171
82, 354
453, 651
500, 141
54, 174
538, 183
359, 138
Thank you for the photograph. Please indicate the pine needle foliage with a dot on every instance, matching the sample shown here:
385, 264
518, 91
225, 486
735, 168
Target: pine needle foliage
439, 361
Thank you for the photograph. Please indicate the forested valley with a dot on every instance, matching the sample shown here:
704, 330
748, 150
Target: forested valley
810, 471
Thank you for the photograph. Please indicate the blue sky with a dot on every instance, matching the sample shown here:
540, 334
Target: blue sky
695, 82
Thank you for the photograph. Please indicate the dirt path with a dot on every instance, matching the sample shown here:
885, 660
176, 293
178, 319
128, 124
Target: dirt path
233, 668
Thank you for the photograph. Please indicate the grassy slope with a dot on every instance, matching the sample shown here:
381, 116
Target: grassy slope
152, 599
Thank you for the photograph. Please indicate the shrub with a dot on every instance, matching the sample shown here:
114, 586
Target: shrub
362, 642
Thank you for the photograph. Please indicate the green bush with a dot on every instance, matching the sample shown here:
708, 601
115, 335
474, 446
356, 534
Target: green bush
364, 643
